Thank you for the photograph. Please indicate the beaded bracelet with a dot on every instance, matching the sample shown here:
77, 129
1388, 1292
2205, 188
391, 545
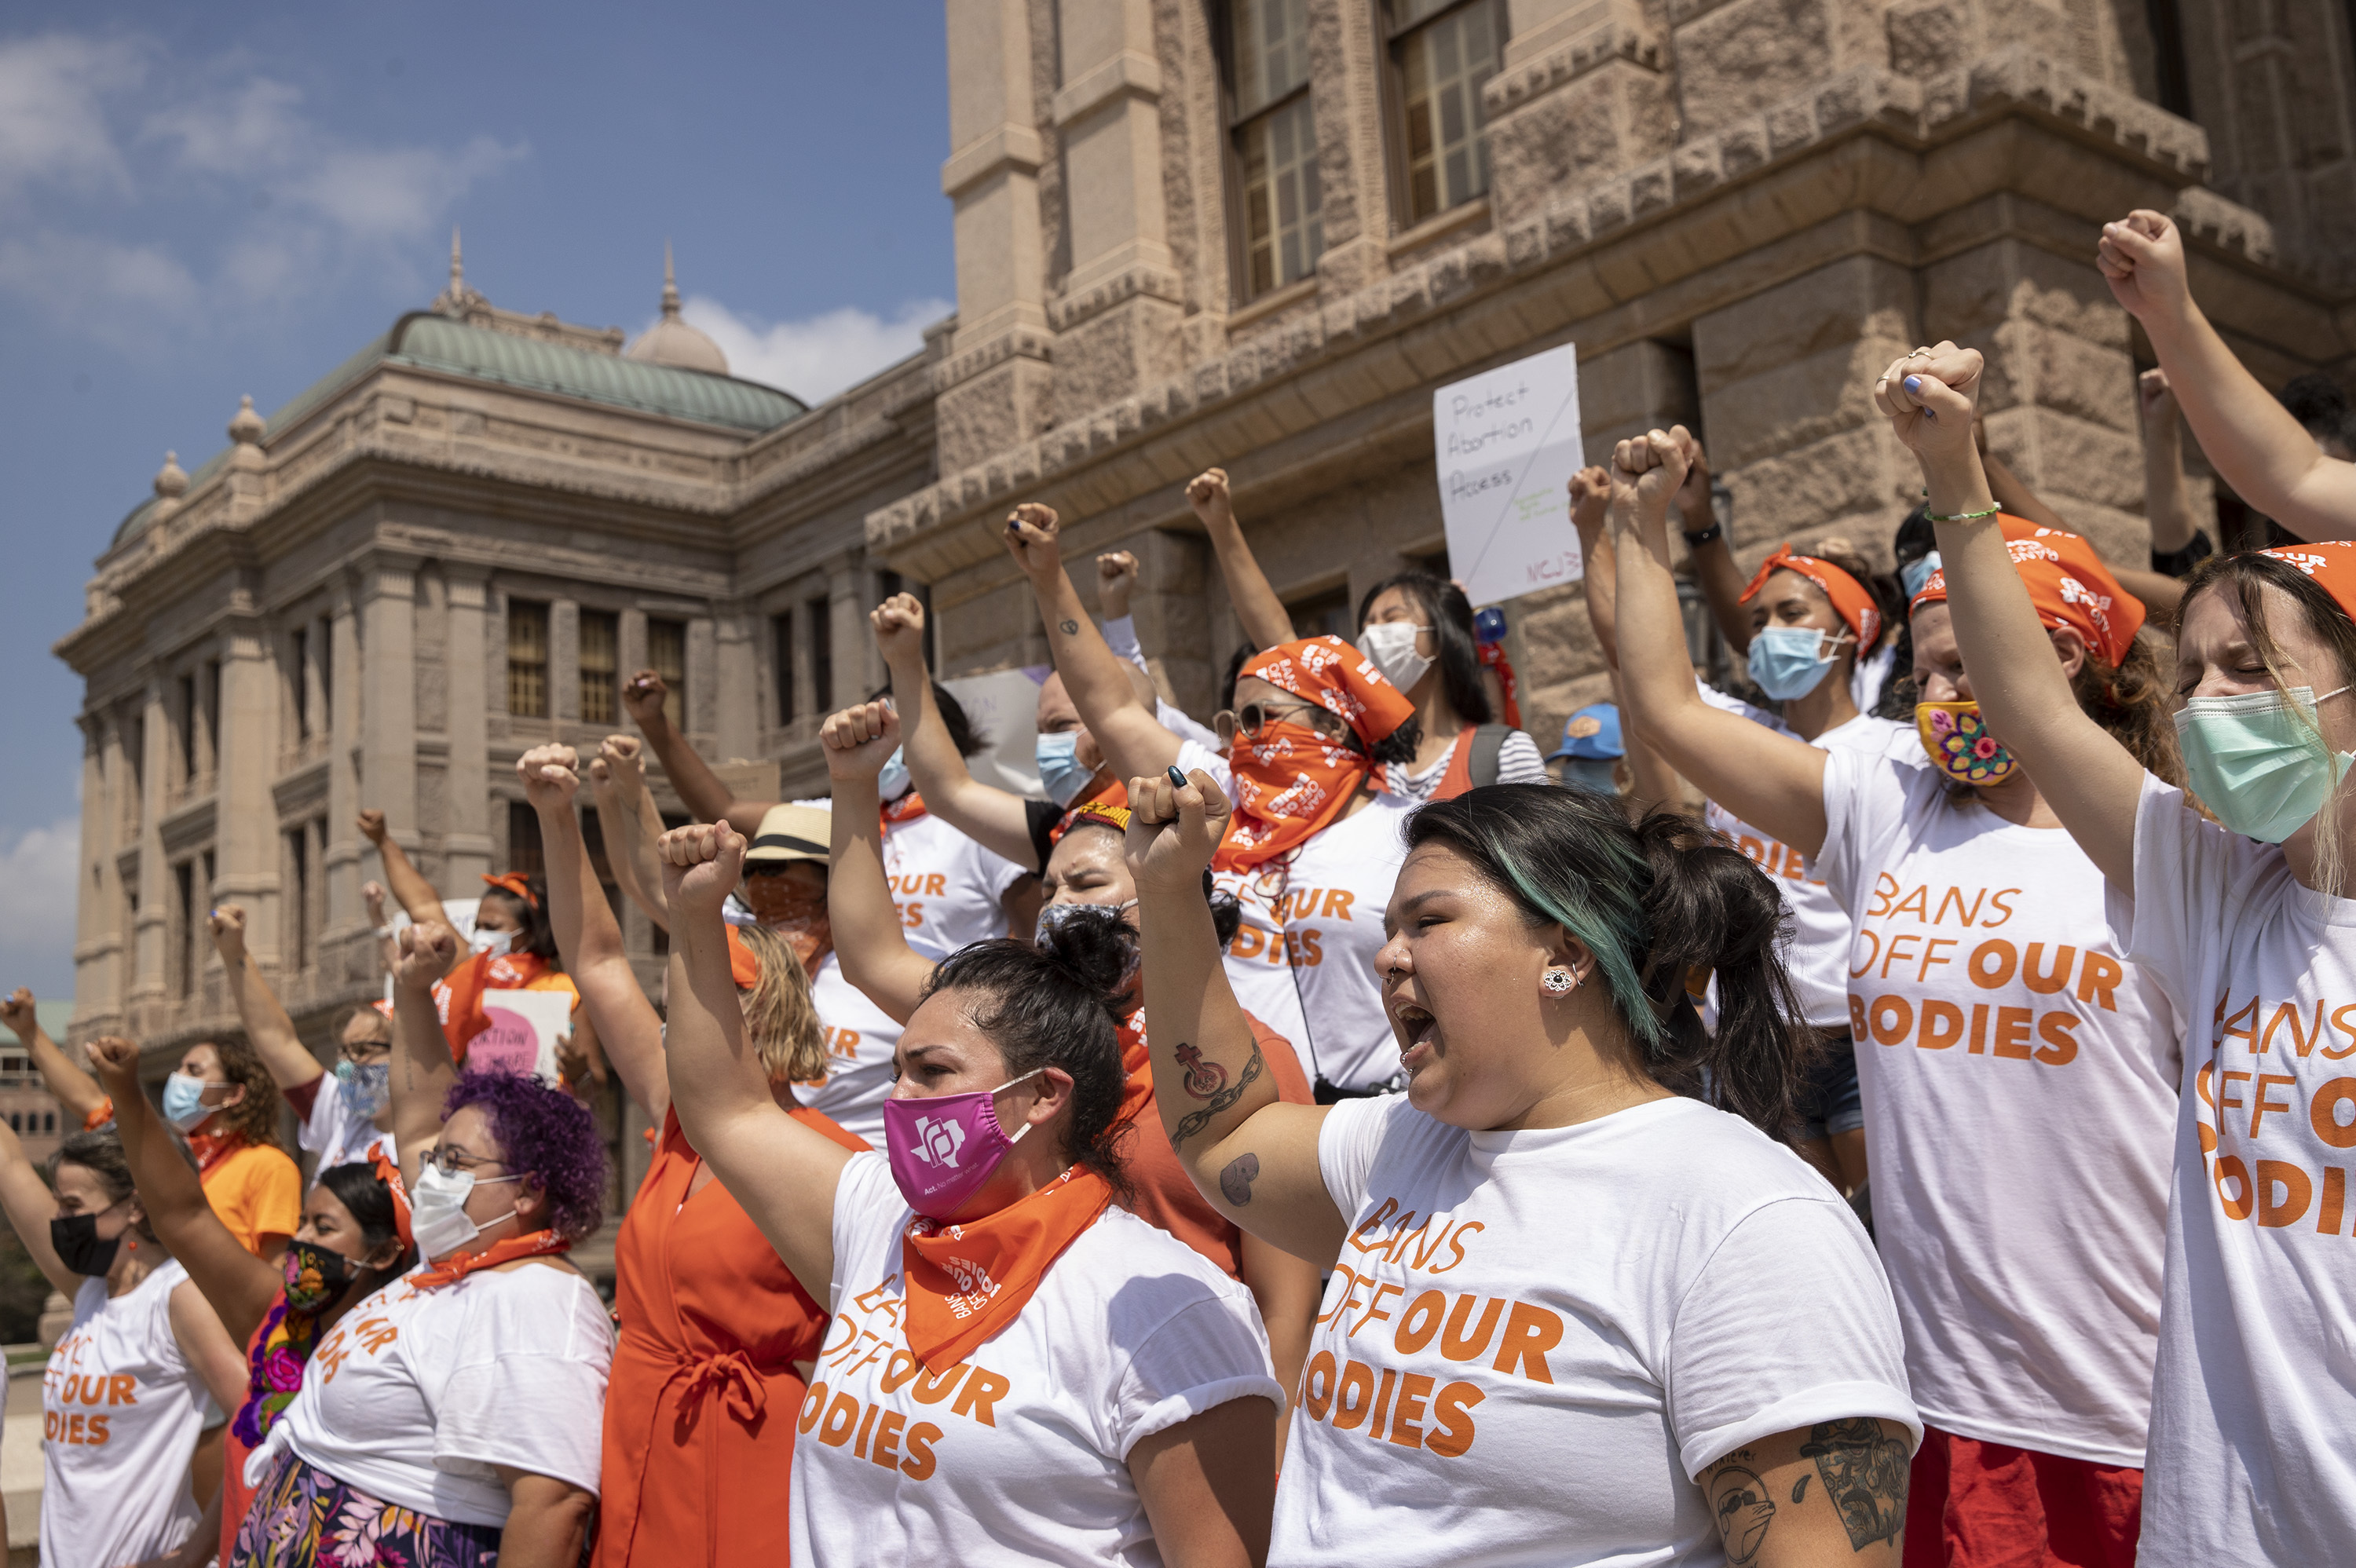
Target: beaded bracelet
1963, 516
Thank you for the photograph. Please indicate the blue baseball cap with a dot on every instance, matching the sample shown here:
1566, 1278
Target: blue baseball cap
1592, 733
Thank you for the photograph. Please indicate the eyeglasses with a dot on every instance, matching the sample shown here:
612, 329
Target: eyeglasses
365, 1050
1253, 717
451, 1161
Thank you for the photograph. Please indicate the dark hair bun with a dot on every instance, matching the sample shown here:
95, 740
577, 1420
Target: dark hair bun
1093, 941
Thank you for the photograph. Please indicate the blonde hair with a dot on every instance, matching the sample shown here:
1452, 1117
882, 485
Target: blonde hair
779, 1017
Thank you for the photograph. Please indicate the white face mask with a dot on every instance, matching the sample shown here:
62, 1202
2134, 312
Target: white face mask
1391, 645
438, 1221
498, 943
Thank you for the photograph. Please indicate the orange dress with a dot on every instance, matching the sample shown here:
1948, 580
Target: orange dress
701, 1404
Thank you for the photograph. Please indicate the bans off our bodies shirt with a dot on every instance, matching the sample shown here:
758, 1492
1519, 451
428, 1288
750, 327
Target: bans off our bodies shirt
1019, 1453
2255, 1399
2019, 1080
1533, 1341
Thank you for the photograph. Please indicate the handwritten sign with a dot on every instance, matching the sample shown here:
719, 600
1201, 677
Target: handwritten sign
1508, 441
525, 1028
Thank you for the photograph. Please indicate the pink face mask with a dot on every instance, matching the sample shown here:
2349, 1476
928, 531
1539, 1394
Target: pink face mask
942, 1150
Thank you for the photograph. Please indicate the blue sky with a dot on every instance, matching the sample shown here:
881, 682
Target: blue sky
199, 202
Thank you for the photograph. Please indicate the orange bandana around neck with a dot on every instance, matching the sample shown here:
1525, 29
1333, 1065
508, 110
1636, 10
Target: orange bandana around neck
1290, 780
1851, 600
458, 1265
461, 995
969, 1280
907, 809
211, 1148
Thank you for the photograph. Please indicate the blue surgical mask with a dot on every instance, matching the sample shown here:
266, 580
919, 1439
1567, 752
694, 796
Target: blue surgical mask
892, 782
1914, 573
184, 1101
367, 1085
2257, 759
1060, 769
1788, 662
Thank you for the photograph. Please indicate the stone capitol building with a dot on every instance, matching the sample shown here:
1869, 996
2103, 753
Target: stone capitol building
1254, 233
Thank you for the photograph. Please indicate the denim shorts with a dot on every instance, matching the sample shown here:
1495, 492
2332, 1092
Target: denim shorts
1829, 1101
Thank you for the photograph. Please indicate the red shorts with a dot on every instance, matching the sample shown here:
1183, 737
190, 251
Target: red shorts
1983, 1505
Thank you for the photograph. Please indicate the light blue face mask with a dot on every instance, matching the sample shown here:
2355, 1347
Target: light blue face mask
1788, 662
184, 1101
892, 782
1914, 573
367, 1085
2257, 759
1060, 769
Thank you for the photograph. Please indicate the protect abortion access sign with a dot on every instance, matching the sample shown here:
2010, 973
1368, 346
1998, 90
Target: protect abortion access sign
1508, 441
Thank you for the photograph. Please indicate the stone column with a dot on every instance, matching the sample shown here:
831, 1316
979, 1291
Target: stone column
1120, 309
346, 850
1583, 91
853, 641
701, 710
246, 864
97, 936
467, 837
738, 717
564, 664
155, 878
388, 738
996, 389
1345, 62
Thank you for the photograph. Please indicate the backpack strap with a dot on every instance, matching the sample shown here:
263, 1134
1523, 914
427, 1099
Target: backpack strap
1488, 743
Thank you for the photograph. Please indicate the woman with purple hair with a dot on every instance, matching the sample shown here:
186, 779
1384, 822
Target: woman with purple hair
454, 1417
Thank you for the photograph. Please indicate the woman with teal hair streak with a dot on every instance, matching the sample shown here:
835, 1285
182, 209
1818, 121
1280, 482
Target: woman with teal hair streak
1587, 1307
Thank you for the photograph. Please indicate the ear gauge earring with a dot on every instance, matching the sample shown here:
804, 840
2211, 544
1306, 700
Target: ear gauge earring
1559, 980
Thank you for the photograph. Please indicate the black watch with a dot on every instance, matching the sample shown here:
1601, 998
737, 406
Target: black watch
2177, 562
1715, 531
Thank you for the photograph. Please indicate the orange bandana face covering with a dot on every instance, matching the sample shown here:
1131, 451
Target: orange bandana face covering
461, 995
969, 1280
2067, 582
1850, 601
1290, 780
799, 916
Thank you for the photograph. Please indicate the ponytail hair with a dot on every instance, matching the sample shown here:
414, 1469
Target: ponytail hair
1054, 1007
1660, 904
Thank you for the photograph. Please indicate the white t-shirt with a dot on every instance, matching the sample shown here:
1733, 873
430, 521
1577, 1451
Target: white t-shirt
860, 1040
415, 1396
1019, 1454
1817, 956
334, 1134
121, 1408
2255, 1396
1534, 1341
944, 885
2019, 1080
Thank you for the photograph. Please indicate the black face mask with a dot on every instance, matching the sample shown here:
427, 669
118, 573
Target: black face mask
316, 1276
78, 1247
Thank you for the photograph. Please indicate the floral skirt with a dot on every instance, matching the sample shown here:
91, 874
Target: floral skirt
304, 1517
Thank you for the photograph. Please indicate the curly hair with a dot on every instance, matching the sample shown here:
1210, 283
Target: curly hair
546, 1134
254, 1118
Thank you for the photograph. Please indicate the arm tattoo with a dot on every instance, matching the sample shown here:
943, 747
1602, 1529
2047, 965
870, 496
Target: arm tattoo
1740, 1503
1196, 1121
1235, 1182
1203, 1079
1864, 1471
1069, 628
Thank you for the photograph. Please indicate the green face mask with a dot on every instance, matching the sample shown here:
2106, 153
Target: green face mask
2257, 759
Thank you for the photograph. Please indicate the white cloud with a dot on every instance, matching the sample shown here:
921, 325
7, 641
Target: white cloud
113, 289
817, 356
251, 128
37, 884
53, 91
388, 193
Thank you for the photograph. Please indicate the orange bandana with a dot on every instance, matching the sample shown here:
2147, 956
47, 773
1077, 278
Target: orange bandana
805, 926
744, 964
1850, 601
1290, 780
2068, 583
967, 1281
513, 882
460, 995
389, 1174
211, 1148
907, 809
2332, 564
458, 1265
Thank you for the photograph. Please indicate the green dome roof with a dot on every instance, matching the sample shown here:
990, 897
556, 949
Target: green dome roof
434, 342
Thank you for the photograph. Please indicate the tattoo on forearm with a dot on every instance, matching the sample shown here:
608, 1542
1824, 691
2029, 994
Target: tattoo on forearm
1235, 1182
1203, 1079
1196, 1121
1864, 1470
1069, 628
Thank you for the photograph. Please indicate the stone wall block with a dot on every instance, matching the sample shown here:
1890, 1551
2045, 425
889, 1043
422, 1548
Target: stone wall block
1859, 481
1744, 56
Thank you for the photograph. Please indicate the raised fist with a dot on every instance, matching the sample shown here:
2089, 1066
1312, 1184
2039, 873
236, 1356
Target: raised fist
227, 923
115, 1059
1032, 538
1930, 396
1116, 581
703, 863
642, 698
549, 775
2141, 256
1173, 831
17, 1011
859, 740
427, 951
373, 827
1208, 494
899, 626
